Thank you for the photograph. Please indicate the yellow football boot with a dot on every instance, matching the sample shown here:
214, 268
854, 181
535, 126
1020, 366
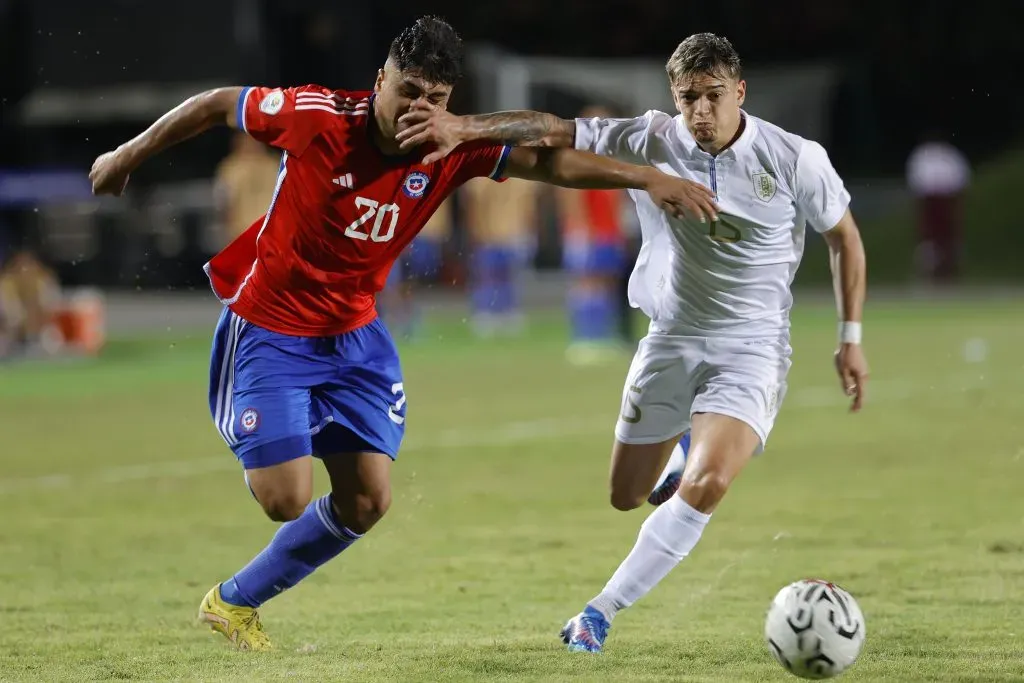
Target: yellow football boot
240, 625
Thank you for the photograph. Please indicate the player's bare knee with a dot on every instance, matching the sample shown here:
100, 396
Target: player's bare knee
371, 507
704, 489
285, 506
283, 490
363, 510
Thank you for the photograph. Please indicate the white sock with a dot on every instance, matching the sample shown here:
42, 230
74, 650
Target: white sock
666, 537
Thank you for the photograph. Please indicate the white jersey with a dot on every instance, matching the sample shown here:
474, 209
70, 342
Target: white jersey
731, 277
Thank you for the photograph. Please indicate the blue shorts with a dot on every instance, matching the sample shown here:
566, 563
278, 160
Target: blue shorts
275, 397
594, 259
499, 260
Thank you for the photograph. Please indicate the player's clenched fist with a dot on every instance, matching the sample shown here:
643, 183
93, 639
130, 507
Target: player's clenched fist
109, 174
680, 197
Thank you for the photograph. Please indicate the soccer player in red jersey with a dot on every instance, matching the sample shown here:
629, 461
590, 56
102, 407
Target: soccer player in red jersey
301, 365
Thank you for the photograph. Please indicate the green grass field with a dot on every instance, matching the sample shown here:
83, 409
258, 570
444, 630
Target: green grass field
121, 507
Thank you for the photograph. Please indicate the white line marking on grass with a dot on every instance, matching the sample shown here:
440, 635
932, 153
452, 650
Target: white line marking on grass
526, 431
501, 435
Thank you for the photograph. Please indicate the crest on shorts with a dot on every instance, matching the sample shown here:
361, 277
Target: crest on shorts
764, 185
250, 420
272, 103
415, 184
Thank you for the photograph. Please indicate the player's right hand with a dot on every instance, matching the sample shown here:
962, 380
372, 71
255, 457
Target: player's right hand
109, 174
680, 198
852, 368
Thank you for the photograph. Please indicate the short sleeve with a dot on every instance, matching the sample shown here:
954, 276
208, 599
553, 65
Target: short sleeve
820, 194
622, 138
288, 118
480, 160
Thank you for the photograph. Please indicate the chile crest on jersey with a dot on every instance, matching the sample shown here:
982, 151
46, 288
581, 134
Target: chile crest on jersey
415, 184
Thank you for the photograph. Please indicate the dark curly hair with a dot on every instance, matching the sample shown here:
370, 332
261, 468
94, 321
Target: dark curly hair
430, 49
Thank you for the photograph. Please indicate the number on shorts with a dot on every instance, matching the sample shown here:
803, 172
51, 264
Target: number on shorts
398, 389
631, 412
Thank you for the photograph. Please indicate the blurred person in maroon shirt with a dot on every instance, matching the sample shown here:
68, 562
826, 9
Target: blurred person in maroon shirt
938, 175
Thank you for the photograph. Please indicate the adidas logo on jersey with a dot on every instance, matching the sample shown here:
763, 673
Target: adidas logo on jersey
343, 180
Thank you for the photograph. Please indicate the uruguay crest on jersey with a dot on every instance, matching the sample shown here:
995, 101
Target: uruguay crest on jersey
764, 185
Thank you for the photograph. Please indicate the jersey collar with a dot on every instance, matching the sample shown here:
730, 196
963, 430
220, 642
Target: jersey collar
745, 140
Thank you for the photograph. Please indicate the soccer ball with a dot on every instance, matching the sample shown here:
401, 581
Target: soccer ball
815, 629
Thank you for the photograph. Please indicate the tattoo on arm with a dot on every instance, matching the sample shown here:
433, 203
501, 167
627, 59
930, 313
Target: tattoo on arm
524, 128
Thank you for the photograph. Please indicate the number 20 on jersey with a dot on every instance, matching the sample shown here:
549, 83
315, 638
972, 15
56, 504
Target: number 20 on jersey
384, 217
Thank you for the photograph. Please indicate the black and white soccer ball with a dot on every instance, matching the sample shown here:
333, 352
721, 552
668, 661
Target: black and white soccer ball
815, 629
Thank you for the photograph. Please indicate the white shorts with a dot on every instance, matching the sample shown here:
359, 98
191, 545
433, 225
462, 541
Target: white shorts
672, 377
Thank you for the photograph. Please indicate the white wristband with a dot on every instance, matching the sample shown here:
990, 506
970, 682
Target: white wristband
849, 333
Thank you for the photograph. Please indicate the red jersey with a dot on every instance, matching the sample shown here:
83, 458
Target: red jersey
341, 212
603, 210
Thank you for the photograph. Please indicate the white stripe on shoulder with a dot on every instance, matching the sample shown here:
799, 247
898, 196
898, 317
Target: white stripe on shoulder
331, 103
333, 110
331, 97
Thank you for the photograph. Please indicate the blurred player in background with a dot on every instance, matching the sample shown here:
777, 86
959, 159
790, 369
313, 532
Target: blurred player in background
501, 222
302, 366
938, 175
242, 182
30, 296
594, 251
632, 241
419, 266
717, 353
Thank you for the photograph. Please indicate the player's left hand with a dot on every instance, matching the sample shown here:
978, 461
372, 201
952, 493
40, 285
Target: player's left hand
427, 123
852, 367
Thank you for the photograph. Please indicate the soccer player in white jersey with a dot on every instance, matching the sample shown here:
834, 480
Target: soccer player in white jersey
717, 353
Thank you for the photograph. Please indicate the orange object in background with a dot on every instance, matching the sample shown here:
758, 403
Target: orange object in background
38, 315
81, 320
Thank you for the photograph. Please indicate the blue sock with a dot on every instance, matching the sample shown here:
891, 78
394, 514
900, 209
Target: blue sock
494, 286
505, 293
592, 316
297, 549
404, 322
483, 297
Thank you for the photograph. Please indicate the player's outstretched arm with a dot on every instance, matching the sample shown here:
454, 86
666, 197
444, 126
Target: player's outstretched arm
583, 170
110, 171
849, 278
430, 124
